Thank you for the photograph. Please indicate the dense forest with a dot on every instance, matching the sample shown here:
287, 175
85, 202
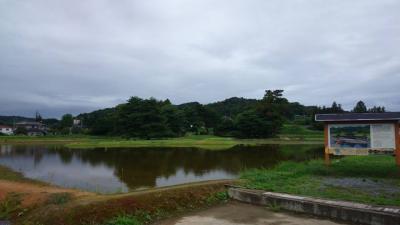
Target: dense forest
236, 117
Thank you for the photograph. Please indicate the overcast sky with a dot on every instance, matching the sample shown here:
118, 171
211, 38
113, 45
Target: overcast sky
75, 56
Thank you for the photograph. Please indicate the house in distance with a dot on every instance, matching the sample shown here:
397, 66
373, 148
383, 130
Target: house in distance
7, 130
361, 133
32, 128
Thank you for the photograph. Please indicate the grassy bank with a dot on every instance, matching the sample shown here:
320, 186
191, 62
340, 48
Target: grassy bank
11, 175
51, 139
200, 141
195, 141
365, 179
133, 208
300, 132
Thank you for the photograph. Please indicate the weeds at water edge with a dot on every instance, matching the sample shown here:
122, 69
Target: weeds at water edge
59, 198
10, 205
124, 220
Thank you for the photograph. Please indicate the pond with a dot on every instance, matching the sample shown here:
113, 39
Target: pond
124, 170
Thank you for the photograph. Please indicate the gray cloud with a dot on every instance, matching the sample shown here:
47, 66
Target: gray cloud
76, 56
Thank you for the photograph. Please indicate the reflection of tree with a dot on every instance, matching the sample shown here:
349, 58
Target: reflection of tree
65, 155
141, 167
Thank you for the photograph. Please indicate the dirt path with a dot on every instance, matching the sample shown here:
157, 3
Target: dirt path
236, 213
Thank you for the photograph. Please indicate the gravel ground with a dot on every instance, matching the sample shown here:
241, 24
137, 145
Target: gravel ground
371, 186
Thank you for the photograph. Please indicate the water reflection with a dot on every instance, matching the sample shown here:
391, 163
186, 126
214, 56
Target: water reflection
116, 170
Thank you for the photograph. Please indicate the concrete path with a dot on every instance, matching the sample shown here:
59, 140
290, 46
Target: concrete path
235, 213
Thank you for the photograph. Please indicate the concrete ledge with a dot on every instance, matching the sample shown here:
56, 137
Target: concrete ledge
338, 210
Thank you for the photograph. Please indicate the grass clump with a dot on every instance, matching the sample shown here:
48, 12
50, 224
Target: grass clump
310, 179
218, 197
59, 198
9, 174
124, 220
274, 207
9, 206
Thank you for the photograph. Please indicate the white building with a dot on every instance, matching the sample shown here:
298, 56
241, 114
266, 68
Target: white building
6, 130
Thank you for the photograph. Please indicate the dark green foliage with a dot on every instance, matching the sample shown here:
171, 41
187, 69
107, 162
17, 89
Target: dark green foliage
124, 220
174, 119
377, 109
10, 120
198, 118
239, 117
51, 122
21, 131
236, 117
193, 120
264, 120
148, 118
225, 128
66, 121
38, 117
252, 124
360, 107
336, 108
232, 107
295, 109
274, 107
210, 117
142, 118
100, 122
218, 197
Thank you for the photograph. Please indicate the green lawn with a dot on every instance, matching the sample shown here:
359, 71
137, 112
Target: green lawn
294, 131
198, 141
195, 141
365, 179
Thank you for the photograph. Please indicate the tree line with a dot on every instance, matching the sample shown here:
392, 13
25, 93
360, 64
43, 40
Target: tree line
152, 118
234, 117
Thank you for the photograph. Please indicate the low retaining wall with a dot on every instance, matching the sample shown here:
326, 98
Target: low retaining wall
338, 210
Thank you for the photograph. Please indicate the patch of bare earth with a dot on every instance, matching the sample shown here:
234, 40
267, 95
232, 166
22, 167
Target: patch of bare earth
33, 194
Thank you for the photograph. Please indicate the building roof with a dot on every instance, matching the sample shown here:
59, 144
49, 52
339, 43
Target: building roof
392, 116
4, 126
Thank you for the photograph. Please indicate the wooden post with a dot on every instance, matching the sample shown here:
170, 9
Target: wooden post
397, 138
326, 141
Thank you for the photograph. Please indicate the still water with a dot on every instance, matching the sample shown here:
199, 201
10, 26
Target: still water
123, 170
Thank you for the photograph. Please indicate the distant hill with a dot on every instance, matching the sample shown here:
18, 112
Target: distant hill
10, 120
233, 106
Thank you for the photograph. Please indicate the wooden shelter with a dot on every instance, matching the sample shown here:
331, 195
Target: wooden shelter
361, 133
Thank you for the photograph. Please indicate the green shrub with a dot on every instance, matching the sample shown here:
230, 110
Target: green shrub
9, 206
218, 197
59, 198
124, 220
